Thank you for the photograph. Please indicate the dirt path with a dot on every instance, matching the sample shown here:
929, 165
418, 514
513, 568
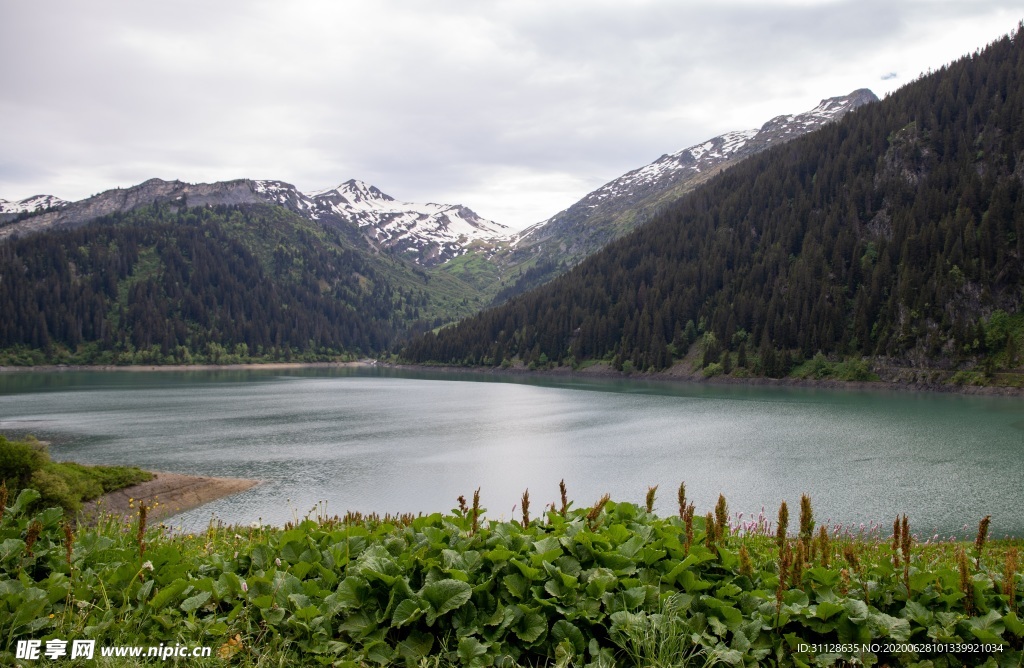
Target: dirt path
167, 494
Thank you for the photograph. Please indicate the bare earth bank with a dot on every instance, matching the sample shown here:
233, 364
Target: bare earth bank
165, 495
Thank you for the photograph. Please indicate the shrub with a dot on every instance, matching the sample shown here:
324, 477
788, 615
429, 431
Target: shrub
713, 369
820, 368
54, 491
854, 370
18, 459
26, 465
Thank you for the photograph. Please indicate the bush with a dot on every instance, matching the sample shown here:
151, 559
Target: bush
54, 491
854, 370
18, 459
712, 370
26, 465
82, 483
820, 367
967, 378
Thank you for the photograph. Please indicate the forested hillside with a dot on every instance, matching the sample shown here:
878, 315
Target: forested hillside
548, 249
222, 284
896, 233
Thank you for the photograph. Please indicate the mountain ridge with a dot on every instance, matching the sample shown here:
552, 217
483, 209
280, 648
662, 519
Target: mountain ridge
629, 200
33, 204
428, 234
434, 235
892, 239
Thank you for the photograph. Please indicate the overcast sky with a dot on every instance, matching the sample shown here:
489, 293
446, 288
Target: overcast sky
516, 109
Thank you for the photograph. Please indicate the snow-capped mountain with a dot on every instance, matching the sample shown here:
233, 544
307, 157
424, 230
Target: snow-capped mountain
429, 234
715, 153
31, 204
629, 200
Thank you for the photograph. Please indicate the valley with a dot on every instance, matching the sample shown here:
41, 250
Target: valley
862, 240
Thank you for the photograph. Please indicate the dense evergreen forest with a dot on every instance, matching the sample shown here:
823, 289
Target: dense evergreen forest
219, 285
896, 234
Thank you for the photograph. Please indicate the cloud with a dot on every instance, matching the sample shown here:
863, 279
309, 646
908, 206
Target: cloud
516, 109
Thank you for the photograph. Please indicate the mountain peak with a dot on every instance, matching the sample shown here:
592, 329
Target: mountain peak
356, 190
427, 233
626, 202
829, 109
31, 204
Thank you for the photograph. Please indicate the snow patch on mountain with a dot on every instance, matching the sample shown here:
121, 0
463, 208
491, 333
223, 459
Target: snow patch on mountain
425, 233
639, 187
434, 232
32, 204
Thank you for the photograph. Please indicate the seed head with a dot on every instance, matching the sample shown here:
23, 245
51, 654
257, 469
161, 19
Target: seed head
34, 529
69, 542
851, 557
824, 546
651, 492
979, 542
905, 540
783, 525
966, 583
897, 541
746, 568
710, 532
476, 510
796, 577
806, 521
785, 559
596, 510
688, 524
844, 582
721, 517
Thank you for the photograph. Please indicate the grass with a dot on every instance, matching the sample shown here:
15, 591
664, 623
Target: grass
474, 269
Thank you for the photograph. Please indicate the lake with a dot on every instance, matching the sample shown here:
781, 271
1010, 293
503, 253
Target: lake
398, 441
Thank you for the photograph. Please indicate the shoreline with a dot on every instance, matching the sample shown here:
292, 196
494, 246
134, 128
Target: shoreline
167, 494
600, 370
605, 372
269, 366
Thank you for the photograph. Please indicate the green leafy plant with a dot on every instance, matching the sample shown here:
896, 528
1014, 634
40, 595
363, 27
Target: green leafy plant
609, 585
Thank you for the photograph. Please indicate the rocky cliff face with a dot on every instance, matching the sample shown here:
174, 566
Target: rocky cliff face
118, 200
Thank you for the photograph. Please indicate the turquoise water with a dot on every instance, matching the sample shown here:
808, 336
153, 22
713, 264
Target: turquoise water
389, 441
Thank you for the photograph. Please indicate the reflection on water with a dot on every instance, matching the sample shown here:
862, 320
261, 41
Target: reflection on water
389, 441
